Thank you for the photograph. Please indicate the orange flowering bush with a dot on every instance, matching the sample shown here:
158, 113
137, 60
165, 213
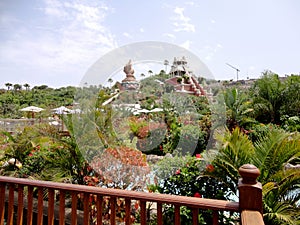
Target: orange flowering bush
117, 167
121, 167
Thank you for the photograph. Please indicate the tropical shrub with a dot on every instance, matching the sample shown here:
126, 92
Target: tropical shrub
44, 155
189, 176
121, 168
275, 152
238, 109
267, 98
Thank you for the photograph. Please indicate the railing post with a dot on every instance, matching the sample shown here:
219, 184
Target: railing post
250, 191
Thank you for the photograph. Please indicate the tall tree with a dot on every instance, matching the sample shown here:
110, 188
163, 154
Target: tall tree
17, 87
27, 86
291, 95
268, 98
8, 85
166, 63
150, 72
110, 80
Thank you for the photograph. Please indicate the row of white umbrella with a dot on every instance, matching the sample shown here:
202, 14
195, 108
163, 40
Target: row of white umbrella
147, 111
64, 110
60, 110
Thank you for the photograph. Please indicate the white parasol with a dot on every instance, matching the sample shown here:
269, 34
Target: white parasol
62, 110
32, 109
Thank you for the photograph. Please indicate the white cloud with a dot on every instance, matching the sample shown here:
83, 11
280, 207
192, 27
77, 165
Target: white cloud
182, 22
171, 36
83, 37
127, 35
142, 30
68, 38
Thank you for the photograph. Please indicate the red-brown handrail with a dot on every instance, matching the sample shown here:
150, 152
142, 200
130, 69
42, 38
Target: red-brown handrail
18, 184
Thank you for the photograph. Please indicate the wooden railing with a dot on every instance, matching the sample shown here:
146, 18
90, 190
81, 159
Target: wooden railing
16, 194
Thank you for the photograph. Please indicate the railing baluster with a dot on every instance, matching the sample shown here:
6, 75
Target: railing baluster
99, 209
177, 215
195, 212
74, 208
62, 207
86, 208
50, 206
112, 210
40, 206
10, 204
143, 212
7, 198
2, 202
249, 217
127, 211
215, 217
159, 214
20, 204
29, 205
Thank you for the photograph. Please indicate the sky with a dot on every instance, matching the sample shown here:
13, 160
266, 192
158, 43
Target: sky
55, 42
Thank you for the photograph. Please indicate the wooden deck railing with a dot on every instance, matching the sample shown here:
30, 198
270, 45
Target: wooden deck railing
19, 190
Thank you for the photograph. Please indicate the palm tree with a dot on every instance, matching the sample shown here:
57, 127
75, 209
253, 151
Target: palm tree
271, 153
110, 80
17, 87
150, 72
238, 108
8, 85
27, 86
268, 98
166, 63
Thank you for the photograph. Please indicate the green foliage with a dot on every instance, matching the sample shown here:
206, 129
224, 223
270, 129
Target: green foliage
267, 98
272, 151
183, 126
273, 98
44, 154
238, 109
291, 123
189, 176
235, 150
11, 101
291, 95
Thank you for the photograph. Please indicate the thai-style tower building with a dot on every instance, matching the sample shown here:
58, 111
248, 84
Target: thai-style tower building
183, 80
129, 83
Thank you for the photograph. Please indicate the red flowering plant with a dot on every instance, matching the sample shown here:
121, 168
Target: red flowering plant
192, 177
152, 143
121, 167
117, 167
150, 135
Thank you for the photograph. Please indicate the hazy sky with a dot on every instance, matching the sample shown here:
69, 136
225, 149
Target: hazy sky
55, 42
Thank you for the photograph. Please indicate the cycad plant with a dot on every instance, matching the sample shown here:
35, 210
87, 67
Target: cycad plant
281, 185
272, 153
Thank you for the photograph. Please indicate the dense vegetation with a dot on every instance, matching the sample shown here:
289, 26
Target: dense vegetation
261, 126
15, 98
